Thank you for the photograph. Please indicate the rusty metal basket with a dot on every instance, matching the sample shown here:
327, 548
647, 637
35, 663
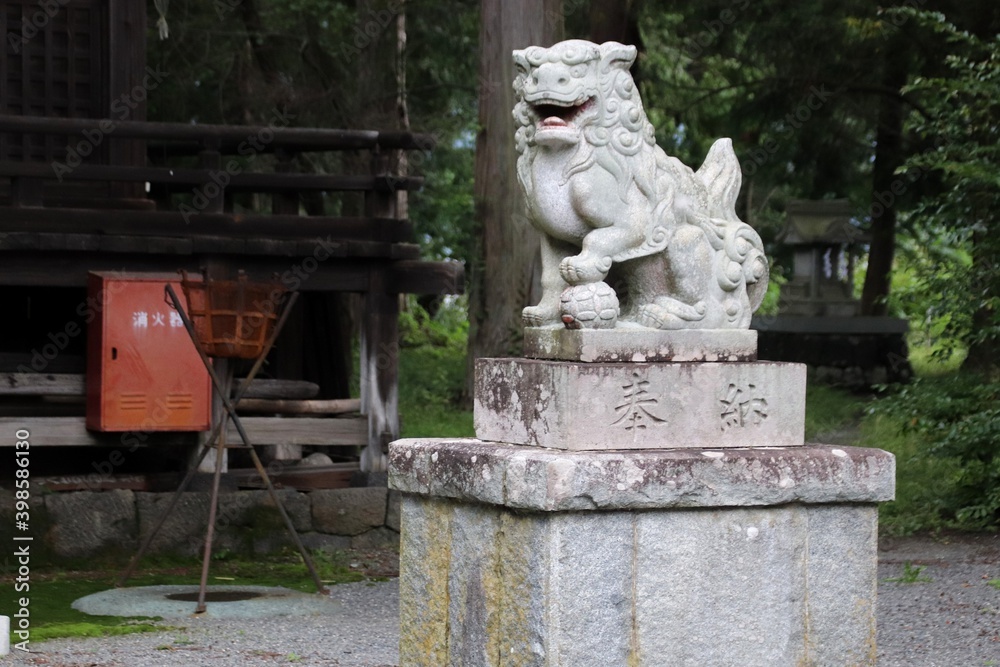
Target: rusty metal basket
232, 318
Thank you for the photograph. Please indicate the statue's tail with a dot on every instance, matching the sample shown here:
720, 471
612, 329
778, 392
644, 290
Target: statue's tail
722, 177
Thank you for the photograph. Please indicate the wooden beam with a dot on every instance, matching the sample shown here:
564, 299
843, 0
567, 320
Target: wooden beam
37, 384
302, 431
69, 269
72, 432
174, 223
335, 406
266, 389
183, 179
74, 384
229, 137
419, 277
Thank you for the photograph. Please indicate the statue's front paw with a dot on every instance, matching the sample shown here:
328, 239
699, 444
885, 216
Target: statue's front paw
539, 316
580, 270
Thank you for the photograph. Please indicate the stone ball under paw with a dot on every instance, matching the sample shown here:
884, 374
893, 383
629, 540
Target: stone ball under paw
590, 306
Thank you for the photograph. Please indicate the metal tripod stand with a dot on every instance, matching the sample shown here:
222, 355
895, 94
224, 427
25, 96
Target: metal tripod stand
216, 440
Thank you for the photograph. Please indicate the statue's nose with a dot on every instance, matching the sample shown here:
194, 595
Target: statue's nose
550, 77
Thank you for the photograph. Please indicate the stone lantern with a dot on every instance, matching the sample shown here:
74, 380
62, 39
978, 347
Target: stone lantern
824, 241
819, 322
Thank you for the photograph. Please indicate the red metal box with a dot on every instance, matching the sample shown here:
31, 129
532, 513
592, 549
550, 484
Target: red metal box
143, 371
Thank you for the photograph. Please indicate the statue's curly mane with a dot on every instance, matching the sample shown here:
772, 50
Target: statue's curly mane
615, 135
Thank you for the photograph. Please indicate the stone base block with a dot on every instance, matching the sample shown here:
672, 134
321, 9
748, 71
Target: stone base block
639, 344
589, 406
702, 580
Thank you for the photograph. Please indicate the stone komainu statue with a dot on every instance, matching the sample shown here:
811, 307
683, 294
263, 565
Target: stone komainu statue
612, 206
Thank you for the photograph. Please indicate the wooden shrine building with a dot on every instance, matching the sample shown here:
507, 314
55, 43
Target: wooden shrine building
88, 185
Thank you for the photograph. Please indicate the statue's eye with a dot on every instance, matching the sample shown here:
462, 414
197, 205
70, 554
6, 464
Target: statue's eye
579, 71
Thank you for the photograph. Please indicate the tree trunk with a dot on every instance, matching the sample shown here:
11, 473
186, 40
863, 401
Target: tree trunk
616, 21
508, 247
888, 157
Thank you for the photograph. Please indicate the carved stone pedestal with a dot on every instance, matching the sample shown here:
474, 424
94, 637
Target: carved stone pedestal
581, 406
638, 514
515, 555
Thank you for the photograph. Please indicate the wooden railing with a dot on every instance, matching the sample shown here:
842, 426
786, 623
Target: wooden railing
52, 234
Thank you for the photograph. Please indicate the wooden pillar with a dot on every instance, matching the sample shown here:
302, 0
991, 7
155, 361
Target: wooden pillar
218, 415
380, 341
285, 202
216, 269
127, 76
379, 371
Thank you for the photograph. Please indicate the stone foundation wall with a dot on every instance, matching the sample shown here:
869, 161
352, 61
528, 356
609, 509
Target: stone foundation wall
89, 524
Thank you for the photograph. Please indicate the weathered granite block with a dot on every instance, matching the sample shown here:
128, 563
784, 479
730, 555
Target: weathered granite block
639, 344
530, 478
581, 406
514, 555
485, 585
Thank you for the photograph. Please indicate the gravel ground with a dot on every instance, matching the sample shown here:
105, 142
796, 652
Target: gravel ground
952, 620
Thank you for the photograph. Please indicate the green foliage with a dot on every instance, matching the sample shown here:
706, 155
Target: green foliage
958, 122
448, 327
923, 482
956, 421
911, 575
432, 368
770, 304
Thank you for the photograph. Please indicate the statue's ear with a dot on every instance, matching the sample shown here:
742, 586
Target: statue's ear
614, 54
521, 61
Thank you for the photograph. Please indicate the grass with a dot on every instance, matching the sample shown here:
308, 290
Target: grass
831, 409
928, 361
921, 480
431, 380
53, 591
911, 575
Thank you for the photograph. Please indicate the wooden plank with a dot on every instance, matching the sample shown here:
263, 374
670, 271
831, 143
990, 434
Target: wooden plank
61, 363
345, 431
72, 432
37, 384
167, 245
230, 137
183, 179
174, 223
70, 269
418, 277
333, 406
264, 388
